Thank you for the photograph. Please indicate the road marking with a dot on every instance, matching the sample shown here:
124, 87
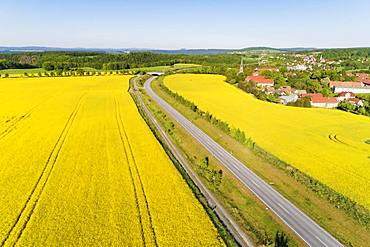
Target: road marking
321, 241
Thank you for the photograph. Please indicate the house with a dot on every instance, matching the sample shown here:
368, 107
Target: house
351, 86
285, 90
298, 67
364, 78
300, 92
285, 99
318, 100
260, 80
269, 90
258, 70
355, 101
345, 95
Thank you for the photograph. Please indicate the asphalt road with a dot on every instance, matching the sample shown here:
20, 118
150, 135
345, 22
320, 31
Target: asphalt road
212, 201
309, 231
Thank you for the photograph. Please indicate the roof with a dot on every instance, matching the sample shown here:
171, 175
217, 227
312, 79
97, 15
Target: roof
286, 89
366, 82
319, 98
289, 98
270, 89
312, 95
342, 94
354, 100
300, 91
324, 100
362, 76
260, 79
349, 84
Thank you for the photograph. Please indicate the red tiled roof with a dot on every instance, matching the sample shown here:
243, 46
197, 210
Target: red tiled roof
342, 94
361, 77
324, 100
350, 84
353, 100
366, 81
319, 98
260, 79
312, 95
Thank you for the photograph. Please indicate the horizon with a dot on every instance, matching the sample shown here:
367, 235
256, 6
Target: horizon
164, 25
178, 49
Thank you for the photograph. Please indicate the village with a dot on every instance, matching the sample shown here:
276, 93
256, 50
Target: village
338, 92
346, 91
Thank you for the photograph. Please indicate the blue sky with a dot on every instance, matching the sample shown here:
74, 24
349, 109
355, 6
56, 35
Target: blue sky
185, 24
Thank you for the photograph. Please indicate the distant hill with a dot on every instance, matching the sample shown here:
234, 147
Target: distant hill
194, 51
112, 50
161, 51
57, 49
272, 50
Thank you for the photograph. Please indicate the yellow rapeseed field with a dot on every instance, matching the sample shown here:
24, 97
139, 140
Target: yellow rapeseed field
79, 167
328, 145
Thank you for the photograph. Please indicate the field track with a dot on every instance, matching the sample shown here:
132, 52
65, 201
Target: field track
142, 212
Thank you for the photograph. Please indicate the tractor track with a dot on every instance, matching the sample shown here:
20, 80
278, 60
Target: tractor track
334, 138
17, 120
129, 152
28, 208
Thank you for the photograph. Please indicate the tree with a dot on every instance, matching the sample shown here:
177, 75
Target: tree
216, 178
281, 239
59, 72
204, 164
48, 66
346, 106
80, 72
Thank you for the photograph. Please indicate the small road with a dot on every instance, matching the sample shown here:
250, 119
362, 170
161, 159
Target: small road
309, 231
221, 212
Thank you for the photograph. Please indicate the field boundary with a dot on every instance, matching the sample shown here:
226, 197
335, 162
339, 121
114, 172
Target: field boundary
354, 210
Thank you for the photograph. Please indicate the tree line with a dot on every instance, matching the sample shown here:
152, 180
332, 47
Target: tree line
73, 60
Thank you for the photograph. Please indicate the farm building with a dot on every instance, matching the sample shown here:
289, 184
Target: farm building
285, 99
352, 86
260, 80
318, 100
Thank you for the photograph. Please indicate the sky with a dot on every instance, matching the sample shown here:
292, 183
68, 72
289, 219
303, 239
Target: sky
164, 24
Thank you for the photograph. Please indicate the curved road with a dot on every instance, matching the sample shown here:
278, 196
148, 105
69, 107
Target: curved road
299, 222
